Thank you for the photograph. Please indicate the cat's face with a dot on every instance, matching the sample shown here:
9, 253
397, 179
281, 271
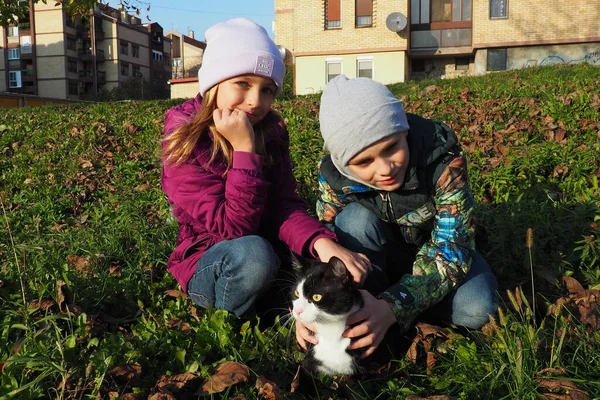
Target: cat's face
324, 292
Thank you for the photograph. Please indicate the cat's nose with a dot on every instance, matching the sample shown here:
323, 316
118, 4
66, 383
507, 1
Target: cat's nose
298, 312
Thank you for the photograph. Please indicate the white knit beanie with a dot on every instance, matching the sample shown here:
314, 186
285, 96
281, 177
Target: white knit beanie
238, 47
354, 114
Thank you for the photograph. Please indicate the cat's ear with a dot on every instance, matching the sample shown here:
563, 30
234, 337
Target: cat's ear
299, 263
339, 269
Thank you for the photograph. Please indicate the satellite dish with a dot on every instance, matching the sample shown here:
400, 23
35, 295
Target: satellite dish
282, 51
396, 22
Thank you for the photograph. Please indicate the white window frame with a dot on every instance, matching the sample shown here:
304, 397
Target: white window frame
14, 54
360, 59
14, 79
13, 31
329, 61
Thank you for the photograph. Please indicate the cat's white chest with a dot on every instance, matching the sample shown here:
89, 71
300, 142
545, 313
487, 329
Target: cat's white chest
331, 350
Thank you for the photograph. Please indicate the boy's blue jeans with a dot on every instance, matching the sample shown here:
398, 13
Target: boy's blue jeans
469, 305
232, 274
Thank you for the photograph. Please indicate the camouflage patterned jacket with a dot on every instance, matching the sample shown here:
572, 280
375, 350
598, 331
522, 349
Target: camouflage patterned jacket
434, 211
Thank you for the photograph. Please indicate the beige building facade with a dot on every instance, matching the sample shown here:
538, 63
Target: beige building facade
53, 55
186, 53
398, 40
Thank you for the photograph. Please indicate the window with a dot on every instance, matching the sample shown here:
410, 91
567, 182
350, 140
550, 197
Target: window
72, 65
333, 14
14, 79
135, 50
334, 68
496, 60
124, 46
462, 64
124, 68
71, 43
427, 11
365, 68
135, 72
14, 54
417, 65
364, 13
13, 31
157, 55
73, 88
498, 9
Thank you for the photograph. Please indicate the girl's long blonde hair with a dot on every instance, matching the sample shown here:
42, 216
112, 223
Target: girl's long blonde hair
179, 146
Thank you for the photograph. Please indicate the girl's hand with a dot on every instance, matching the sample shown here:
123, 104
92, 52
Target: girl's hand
303, 334
375, 318
236, 128
357, 263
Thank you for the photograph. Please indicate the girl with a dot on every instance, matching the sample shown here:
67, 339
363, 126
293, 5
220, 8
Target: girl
395, 188
227, 174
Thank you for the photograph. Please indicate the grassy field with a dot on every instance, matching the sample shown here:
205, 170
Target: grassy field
87, 309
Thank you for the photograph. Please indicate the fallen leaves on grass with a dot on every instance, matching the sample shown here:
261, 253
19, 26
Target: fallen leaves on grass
175, 383
126, 371
426, 335
586, 301
227, 374
562, 390
269, 389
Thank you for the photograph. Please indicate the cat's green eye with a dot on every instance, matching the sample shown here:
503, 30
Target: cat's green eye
296, 293
317, 297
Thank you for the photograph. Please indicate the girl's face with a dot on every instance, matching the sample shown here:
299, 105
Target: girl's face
251, 94
384, 163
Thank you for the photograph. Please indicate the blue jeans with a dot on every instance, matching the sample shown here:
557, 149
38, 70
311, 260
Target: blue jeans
469, 305
232, 274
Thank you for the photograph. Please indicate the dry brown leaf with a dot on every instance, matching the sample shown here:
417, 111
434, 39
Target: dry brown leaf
43, 304
228, 373
175, 383
144, 187
62, 296
435, 397
552, 371
431, 361
79, 264
126, 371
295, 385
131, 128
176, 293
131, 396
573, 286
571, 389
268, 389
113, 395
162, 396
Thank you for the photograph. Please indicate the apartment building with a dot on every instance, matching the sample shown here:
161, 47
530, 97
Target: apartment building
187, 54
398, 40
51, 54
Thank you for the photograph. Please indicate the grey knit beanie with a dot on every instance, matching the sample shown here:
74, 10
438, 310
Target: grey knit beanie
354, 114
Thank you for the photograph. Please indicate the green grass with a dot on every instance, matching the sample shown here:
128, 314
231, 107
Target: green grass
86, 232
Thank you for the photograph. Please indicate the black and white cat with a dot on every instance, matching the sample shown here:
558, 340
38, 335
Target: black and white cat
324, 297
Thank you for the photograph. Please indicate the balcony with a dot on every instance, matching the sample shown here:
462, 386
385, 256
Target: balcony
101, 77
98, 34
85, 55
100, 56
86, 76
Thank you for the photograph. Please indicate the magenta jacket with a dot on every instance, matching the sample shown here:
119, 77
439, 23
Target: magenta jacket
249, 200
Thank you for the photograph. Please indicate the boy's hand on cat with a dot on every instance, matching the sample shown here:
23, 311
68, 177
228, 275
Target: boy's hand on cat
304, 334
236, 128
373, 319
357, 263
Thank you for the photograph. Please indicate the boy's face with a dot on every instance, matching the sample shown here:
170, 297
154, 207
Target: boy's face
384, 163
251, 94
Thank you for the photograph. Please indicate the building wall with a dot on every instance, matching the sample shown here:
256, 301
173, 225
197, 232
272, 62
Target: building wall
192, 57
50, 51
184, 90
388, 68
536, 21
299, 26
3, 80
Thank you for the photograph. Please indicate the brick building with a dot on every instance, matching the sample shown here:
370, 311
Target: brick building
431, 38
53, 55
187, 54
